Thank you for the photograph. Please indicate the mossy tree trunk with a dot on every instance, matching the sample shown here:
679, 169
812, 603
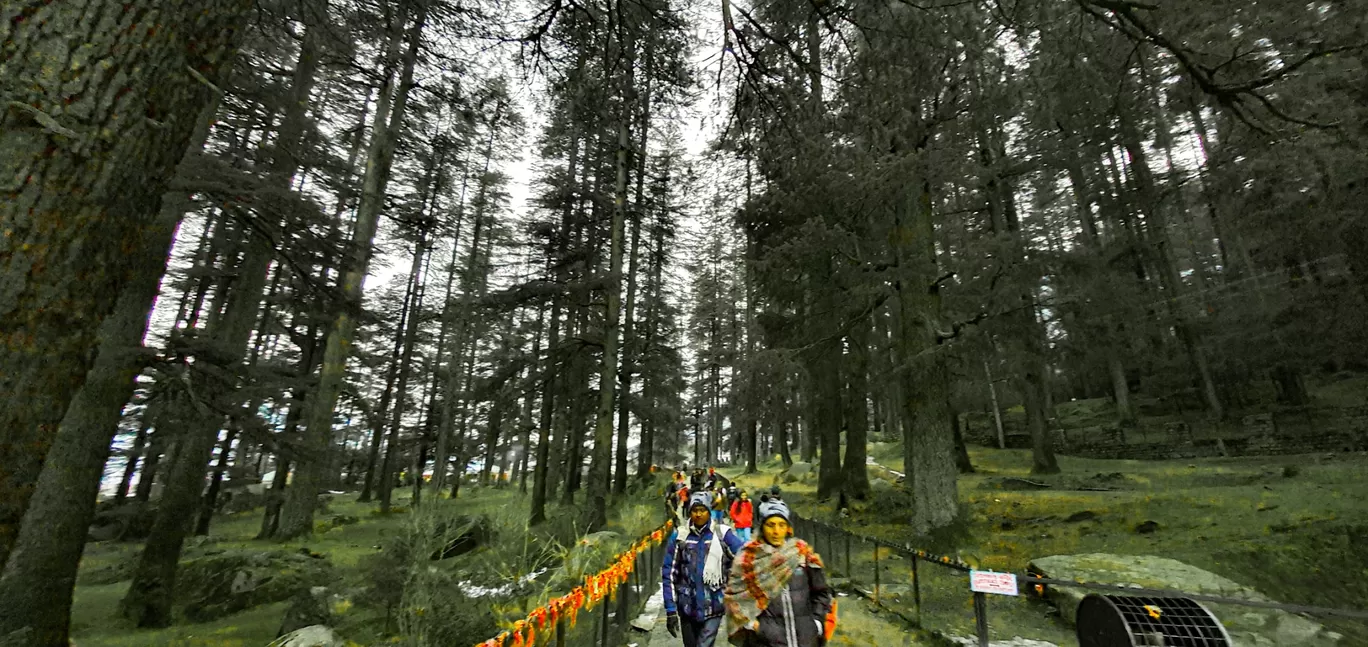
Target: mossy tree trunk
296, 516
98, 109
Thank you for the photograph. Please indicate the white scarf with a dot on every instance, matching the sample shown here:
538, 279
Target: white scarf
712, 564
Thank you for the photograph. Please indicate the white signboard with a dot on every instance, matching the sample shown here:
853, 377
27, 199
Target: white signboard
990, 582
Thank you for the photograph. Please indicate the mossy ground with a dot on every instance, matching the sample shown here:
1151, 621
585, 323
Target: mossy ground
95, 622
1293, 527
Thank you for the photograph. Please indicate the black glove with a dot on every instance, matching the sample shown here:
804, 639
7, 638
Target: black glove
672, 625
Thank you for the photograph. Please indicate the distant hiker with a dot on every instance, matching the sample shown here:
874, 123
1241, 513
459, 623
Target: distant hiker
711, 483
777, 595
694, 574
742, 513
719, 506
673, 495
696, 480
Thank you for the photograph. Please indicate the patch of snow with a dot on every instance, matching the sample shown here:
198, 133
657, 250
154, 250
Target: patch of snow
473, 590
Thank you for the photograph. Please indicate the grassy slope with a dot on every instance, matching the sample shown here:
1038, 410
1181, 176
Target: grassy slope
94, 613
1240, 517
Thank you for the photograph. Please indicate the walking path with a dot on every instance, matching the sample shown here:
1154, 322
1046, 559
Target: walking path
858, 624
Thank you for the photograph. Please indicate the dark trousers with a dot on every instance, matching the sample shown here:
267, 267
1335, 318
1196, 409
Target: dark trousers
699, 633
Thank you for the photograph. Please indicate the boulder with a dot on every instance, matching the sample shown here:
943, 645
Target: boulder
130, 521
1248, 626
307, 608
315, 636
462, 535
242, 499
798, 472
218, 585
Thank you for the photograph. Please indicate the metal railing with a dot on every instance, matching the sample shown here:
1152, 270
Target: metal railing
837, 546
599, 612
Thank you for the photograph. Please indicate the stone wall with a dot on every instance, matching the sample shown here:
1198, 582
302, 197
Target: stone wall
1292, 431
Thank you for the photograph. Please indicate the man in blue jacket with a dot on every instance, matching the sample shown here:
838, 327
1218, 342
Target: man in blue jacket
695, 574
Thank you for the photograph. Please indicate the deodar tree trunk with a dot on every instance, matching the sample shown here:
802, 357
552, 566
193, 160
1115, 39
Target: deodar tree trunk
928, 440
97, 103
597, 511
296, 516
37, 584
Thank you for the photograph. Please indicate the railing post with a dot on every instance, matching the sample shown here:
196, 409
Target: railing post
560, 632
916, 588
603, 623
981, 618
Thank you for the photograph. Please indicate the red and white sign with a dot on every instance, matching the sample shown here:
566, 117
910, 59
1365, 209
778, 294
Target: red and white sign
990, 582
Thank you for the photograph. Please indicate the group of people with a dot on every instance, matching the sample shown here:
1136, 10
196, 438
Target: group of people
770, 589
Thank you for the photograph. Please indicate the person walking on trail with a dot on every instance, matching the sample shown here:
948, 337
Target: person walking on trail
741, 515
719, 506
777, 595
698, 558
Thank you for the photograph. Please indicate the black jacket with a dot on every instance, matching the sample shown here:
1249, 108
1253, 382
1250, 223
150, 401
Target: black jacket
810, 601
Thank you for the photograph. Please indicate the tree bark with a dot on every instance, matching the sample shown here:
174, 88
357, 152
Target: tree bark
597, 511
928, 439
856, 484
1157, 228
82, 169
416, 280
541, 476
301, 499
40, 575
206, 512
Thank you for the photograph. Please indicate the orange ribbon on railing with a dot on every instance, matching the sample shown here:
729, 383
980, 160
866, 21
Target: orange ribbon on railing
595, 589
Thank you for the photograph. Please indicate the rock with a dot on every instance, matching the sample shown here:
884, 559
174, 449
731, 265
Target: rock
218, 585
307, 609
798, 472
339, 520
315, 636
1248, 626
130, 521
242, 499
1146, 527
1081, 515
462, 536
1017, 641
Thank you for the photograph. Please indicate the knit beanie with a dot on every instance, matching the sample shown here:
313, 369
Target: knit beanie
700, 498
772, 508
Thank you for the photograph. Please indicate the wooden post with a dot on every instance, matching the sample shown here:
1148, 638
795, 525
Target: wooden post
981, 618
603, 623
560, 632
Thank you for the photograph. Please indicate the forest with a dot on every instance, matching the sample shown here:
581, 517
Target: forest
349, 277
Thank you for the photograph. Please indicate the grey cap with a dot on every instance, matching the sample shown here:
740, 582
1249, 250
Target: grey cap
773, 508
700, 498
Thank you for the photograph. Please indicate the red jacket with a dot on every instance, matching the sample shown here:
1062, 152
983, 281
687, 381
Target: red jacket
741, 513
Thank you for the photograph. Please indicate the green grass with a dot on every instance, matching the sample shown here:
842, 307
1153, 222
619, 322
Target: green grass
1297, 538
